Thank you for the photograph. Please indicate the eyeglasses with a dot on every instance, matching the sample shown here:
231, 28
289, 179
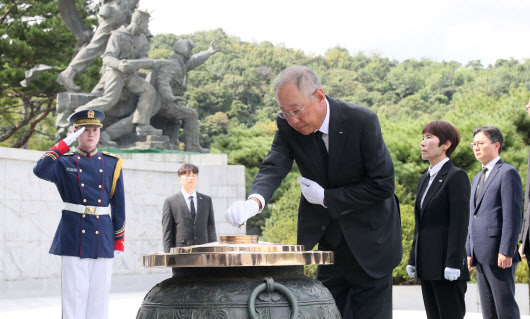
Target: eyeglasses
296, 113
479, 144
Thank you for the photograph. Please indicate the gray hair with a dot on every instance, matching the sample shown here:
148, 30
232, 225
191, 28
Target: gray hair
492, 133
304, 78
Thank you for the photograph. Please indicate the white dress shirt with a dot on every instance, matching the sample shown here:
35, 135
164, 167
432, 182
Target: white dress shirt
187, 198
433, 171
490, 166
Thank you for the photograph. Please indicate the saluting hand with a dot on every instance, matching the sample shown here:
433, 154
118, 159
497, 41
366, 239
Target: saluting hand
72, 137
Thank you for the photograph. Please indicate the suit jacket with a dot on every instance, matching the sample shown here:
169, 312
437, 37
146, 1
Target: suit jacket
359, 185
178, 228
495, 222
526, 225
441, 224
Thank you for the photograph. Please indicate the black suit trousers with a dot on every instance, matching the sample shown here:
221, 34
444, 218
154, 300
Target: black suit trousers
357, 294
444, 299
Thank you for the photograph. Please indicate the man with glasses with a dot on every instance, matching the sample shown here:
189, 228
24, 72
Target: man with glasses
494, 224
348, 203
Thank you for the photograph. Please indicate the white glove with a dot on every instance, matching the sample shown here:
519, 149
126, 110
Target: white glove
117, 253
411, 270
313, 192
72, 137
451, 273
241, 211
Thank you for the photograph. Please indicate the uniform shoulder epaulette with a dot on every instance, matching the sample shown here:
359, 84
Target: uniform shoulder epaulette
110, 154
68, 154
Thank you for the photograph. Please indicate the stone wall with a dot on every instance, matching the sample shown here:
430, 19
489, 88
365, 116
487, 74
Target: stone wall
30, 208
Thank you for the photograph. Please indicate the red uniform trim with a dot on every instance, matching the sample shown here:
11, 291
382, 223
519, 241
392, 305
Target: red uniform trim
80, 234
102, 179
79, 180
99, 237
119, 245
61, 147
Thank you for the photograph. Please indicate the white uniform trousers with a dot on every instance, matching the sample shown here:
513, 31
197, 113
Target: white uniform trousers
85, 287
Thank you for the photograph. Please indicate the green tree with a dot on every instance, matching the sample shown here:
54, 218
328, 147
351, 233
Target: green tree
31, 33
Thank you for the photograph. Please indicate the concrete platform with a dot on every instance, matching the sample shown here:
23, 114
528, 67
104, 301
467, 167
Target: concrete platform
30, 300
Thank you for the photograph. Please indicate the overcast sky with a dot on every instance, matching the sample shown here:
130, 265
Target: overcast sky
446, 30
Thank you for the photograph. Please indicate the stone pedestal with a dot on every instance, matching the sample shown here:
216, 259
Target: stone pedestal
31, 208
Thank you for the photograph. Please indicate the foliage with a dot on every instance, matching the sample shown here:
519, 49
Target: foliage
400, 275
32, 32
522, 274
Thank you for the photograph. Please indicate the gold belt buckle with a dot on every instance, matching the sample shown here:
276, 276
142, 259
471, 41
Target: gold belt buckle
91, 210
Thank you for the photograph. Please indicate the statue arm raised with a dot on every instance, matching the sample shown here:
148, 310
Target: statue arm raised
201, 57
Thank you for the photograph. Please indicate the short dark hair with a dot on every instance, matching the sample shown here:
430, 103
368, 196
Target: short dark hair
444, 131
492, 133
187, 168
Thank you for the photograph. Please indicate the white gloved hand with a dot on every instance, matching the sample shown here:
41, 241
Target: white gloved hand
411, 270
117, 253
451, 273
313, 192
241, 211
72, 137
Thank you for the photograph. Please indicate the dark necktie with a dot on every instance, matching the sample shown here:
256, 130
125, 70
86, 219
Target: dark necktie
192, 208
480, 184
321, 144
423, 189
323, 152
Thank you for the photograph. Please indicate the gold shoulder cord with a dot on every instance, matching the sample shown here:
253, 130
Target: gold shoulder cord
117, 171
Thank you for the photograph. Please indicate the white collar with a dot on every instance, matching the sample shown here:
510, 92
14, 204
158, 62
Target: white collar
186, 195
491, 164
434, 170
325, 125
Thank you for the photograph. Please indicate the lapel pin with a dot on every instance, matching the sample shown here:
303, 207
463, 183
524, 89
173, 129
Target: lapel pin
340, 132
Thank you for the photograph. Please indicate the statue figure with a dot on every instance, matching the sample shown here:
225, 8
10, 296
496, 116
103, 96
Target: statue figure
138, 108
112, 15
171, 82
126, 52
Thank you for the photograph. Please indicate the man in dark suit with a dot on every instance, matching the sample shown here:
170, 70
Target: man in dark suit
348, 203
441, 210
524, 249
494, 224
187, 217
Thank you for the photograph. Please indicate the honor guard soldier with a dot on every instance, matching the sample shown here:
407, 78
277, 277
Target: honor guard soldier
92, 226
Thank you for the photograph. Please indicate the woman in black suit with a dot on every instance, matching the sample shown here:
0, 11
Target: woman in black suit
441, 210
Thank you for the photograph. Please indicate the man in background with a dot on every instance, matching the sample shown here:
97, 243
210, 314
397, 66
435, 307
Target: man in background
188, 217
494, 225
